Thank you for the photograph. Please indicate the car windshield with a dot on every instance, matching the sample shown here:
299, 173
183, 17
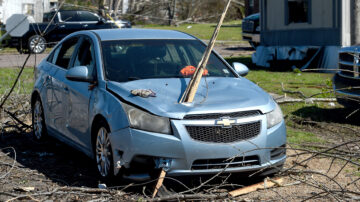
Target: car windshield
127, 60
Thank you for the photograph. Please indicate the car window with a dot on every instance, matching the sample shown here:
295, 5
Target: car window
78, 16
68, 16
65, 52
85, 55
127, 60
86, 16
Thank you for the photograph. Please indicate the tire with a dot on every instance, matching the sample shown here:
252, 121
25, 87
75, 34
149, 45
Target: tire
38, 121
37, 44
103, 152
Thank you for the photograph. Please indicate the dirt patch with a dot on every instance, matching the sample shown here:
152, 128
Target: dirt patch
50, 170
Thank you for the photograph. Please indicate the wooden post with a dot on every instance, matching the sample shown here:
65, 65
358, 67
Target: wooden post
191, 89
160, 182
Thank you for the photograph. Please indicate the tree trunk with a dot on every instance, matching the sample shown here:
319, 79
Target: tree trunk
117, 5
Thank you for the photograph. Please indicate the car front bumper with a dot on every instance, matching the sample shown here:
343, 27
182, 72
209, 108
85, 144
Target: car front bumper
182, 152
347, 90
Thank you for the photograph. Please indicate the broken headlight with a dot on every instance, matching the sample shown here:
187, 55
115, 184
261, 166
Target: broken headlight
141, 120
274, 117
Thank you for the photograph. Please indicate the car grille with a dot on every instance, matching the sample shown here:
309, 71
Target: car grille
218, 134
247, 26
219, 115
225, 163
346, 64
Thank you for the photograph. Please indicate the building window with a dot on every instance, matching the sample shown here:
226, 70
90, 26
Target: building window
298, 11
28, 9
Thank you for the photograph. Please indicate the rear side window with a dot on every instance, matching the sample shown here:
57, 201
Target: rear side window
65, 53
78, 16
48, 16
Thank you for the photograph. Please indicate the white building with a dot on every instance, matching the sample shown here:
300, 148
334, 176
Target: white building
34, 8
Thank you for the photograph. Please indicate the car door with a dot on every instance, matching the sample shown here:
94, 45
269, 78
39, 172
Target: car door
70, 22
58, 90
79, 94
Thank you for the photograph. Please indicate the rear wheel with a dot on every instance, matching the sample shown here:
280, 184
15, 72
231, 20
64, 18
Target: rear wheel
37, 44
38, 121
103, 152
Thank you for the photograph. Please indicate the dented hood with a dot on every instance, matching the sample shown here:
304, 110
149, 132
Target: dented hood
214, 95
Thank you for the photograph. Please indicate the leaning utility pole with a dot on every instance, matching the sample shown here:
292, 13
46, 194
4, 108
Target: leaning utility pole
355, 29
191, 89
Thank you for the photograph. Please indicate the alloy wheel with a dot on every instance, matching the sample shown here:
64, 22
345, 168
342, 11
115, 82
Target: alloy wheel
103, 152
38, 120
37, 44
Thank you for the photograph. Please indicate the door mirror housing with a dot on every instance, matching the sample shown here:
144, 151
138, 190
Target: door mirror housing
240, 68
101, 20
79, 73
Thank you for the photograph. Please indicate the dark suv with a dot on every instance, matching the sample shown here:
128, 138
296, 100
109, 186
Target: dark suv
65, 22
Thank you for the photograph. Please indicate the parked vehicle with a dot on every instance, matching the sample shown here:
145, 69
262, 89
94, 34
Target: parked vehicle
64, 23
83, 95
346, 81
251, 29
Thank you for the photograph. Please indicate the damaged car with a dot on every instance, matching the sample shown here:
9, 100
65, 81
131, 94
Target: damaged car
114, 95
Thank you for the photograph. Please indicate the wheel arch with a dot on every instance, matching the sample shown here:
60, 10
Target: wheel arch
34, 95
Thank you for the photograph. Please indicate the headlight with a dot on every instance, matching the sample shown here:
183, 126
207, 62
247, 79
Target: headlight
274, 117
144, 121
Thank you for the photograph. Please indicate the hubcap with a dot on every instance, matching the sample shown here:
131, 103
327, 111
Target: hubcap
37, 122
37, 44
103, 152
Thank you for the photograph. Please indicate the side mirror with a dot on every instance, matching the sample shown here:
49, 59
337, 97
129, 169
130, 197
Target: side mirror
79, 73
101, 20
241, 69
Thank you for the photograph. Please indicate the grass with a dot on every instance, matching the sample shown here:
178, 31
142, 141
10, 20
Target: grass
298, 137
230, 31
270, 81
8, 76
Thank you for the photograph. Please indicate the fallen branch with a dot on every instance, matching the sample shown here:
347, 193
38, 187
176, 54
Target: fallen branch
262, 185
309, 100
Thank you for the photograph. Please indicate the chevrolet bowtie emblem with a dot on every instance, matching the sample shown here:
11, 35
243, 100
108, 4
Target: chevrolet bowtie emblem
225, 122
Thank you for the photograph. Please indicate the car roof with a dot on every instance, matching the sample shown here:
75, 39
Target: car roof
121, 34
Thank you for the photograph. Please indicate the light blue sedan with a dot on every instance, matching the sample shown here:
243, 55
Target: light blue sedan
114, 95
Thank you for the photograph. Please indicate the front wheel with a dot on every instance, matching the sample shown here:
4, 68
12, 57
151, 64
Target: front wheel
103, 152
37, 44
38, 121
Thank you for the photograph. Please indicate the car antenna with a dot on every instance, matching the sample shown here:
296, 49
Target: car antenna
193, 85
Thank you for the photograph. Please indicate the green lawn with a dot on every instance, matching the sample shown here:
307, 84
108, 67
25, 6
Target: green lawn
230, 31
271, 81
7, 78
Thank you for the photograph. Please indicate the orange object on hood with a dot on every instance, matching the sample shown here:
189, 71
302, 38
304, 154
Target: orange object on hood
190, 70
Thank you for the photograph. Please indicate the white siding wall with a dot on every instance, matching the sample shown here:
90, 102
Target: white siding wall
11, 7
321, 16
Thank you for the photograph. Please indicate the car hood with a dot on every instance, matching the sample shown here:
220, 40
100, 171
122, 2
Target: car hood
214, 95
